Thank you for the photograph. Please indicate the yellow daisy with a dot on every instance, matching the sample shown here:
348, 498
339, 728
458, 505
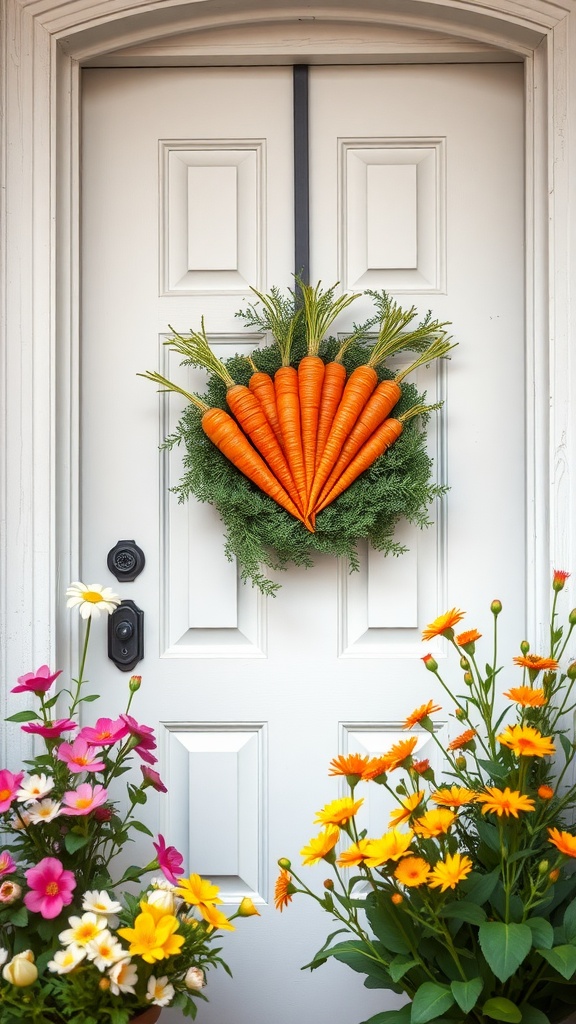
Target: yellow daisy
443, 625
526, 741
354, 855
197, 891
406, 808
453, 796
392, 846
434, 823
320, 845
447, 873
338, 812
412, 871
504, 801
283, 890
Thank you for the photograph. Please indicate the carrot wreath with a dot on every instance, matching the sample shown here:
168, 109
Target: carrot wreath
225, 433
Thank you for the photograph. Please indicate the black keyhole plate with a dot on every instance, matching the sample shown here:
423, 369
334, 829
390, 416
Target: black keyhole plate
126, 636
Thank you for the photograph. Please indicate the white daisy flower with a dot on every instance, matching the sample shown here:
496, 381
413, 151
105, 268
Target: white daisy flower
104, 950
92, 599
123, 976
44, 810
83, 930
66, 960
34, 787
101, 903
160, 992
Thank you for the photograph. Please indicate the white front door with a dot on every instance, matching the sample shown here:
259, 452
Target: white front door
416, 187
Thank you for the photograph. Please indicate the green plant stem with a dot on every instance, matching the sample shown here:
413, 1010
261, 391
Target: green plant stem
79, 682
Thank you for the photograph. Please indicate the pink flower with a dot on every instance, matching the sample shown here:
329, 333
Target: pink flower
7, 865
38, 682
153, 779
51, 888
145, 737
169, 860
9, 786
50, 730
106, 731
79, 756
10, 892
84, 799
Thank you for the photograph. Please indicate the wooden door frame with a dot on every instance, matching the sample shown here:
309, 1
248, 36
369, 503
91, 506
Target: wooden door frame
44, 44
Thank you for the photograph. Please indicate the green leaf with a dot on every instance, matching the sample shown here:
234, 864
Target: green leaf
430, 1001
385, 927
399, 966
562, 959
74, 842
464, 911
494, 768
531, 1015
567, 747
401, 1016
466, 993
489, 835
90, 697
504, 946
481, 887
19, 917
542, 932
140, 828
359, 957
22, 716
569, 922
500, 1008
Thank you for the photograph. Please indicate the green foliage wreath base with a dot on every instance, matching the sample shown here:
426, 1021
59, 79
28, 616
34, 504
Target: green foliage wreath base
259, 532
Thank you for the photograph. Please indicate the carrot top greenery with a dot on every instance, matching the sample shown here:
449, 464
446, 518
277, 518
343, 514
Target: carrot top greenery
311, 443
466, 903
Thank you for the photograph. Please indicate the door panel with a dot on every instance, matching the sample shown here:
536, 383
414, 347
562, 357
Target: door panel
416, 186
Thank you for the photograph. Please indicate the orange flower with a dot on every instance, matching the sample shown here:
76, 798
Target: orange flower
504, 801
320, 845
453, 796
434, 823
376, 766
283, 890
462, 739
338, 812
442, 624
421, 766
470, 637
354, 855
350, 764
536, 664
422, 712
526, 696
397, 898
526, 741
400, 752
406, 808
545, 792
565, 842
412, 871
559, 579
447, 873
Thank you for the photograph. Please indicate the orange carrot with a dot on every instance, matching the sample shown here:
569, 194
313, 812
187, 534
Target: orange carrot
382, 439
288, 405
262, 386
332, 389
225, 433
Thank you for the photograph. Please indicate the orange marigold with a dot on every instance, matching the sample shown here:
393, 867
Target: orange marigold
470, 637
545, 792
504, 801
338, 812
348, 764
434, 823
354, 855
412, 871
535, 663
283, 890
565, 842
442, 624
421, 766
422, 712
462, 739
526, 741
406, 808
526, 696
453, 796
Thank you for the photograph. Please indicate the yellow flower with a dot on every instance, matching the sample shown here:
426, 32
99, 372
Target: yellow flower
197, 891
351, 764
434, 823
565, 842
453, 796
283, 890
354, 855
392, 846
412, 871
526, 696
407, 807
215, 917
422, 712
526, 741
320, 845
443, 625
447, 873
338, 812
504, 801
247, 908
153, 941
462, 739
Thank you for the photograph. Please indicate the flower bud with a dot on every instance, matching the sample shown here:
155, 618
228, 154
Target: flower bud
430, 663
545, 792
134, 683
464, 664
524, 647
21, 971
554, 875
104, 984
571, 671
460, 762
397, 898
328, 883
468, 678
572, 617
194, 979
460, 713
284, 863
247, 908
496, 607
559, 579
10, 892
163, 899
102, 813
543, 867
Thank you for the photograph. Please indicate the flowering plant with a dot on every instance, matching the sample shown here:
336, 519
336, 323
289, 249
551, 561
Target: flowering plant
467, 902
78, 946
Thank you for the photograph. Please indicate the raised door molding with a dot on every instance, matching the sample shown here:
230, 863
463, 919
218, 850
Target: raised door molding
44, 43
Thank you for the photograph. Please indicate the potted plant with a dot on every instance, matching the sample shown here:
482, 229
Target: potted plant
466, 903
78, 944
